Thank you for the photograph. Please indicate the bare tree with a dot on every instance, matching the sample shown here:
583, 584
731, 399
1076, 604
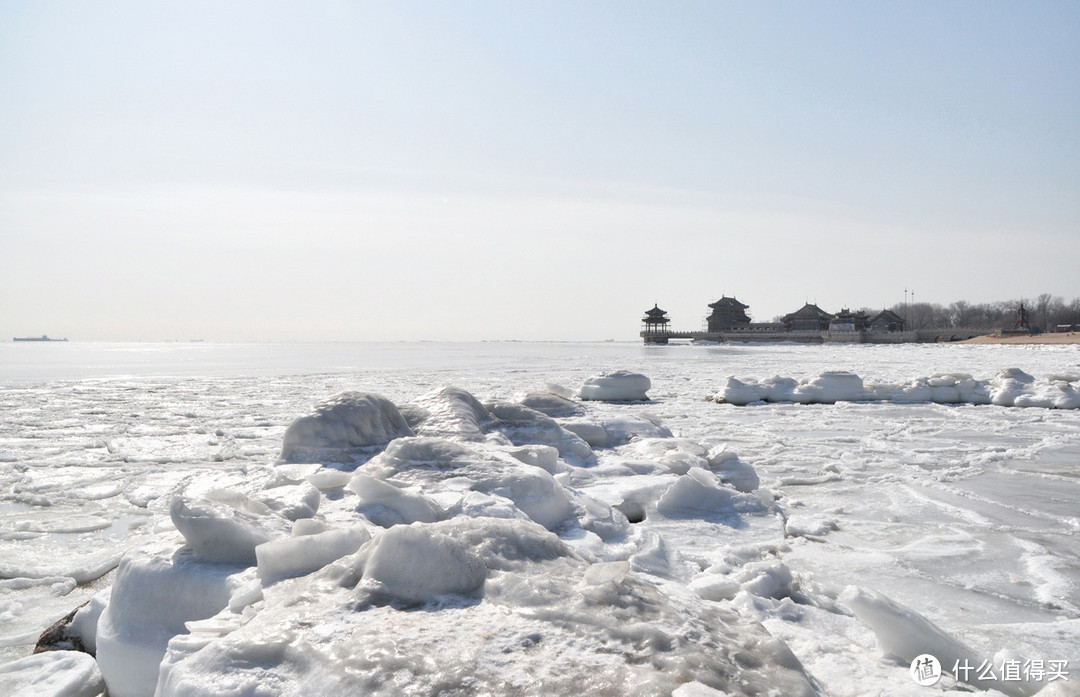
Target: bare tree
1042, 310
1046, 311
961, 314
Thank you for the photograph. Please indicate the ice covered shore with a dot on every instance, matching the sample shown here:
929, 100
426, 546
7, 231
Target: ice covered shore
453, 546
1009, 388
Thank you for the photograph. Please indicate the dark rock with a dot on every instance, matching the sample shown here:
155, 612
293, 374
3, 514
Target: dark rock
57, 637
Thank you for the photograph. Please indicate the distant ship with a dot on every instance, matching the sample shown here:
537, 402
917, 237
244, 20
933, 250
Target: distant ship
43, 337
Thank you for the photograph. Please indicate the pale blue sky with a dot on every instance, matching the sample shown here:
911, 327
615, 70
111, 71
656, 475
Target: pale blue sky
530, 170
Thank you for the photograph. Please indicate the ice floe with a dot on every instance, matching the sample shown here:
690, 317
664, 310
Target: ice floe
1009, 388
616, 386
342, 426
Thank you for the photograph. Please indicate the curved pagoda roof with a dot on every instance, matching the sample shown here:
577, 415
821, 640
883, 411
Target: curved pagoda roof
655, 312
808, 311
888, 315
725, 301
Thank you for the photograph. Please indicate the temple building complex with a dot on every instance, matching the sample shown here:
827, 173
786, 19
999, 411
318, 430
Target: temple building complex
729, 321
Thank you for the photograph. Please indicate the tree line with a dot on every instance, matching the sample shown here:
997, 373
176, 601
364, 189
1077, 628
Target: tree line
1046, 312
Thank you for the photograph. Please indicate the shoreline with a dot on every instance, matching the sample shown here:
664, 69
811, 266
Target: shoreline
1050, 338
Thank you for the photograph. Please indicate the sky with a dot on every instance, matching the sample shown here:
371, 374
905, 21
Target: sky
369, 171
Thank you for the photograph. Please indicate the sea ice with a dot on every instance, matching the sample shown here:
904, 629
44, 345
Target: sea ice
1008, 388
52, 674
450, 413
342, 427
419, 563
292, 501
616, 386
477, 605
304, 553
226, 526
552, 404
906, 634
522, 425
664, 454
483, 549
156, 591
700, 493
731, 470
466, 544
612, 431
437, 464
404, 506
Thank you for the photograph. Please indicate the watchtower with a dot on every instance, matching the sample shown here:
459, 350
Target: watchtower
727, 314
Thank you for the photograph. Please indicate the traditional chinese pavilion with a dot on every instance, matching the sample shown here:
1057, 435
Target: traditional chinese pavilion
655, 325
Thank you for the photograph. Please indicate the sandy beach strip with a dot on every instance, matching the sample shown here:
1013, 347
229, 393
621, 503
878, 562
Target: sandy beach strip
1047, 338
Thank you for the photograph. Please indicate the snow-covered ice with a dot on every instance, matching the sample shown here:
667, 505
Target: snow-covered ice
452, 519
345, 423
52, 674
616, 386
1009, 388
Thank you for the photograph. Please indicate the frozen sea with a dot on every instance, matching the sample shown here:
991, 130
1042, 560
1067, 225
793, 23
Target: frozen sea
965, 517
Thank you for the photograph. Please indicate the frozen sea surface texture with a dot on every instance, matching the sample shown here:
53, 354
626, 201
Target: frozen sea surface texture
612, 431
450, 563
731, 470
456, 415
552, 404
525, 426
479, 606
302, 554
420, 563
695, 551
616, 386
699, 493
52, 674
341, 428
906, 634
477, 478
450, 413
